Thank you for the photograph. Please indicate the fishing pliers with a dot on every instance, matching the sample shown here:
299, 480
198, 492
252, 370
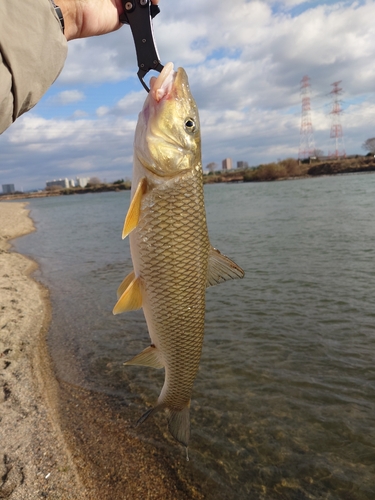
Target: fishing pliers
139, 14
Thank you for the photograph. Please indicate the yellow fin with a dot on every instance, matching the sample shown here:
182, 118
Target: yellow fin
131, 299
221, 268
124, 285
148, 357
132, 217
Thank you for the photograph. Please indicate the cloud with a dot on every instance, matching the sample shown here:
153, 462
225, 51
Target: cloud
131, 104
79, 114
67, 97
99, 59
39, 149
245, 61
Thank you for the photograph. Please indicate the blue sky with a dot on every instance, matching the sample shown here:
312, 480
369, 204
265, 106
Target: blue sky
245, 61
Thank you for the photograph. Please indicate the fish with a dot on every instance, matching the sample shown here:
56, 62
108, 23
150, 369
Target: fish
173, 259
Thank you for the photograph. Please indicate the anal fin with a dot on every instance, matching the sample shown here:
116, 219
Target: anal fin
132, 217
148, 357
221, 268
131, 299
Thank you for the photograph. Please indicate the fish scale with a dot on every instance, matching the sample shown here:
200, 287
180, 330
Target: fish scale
172, 277
172, 256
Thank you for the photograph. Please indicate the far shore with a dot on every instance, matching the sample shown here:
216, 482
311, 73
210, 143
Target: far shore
289, 169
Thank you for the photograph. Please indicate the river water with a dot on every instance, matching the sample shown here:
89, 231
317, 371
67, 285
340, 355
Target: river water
284, 402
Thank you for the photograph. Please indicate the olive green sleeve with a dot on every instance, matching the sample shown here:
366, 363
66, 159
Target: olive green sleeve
33, 50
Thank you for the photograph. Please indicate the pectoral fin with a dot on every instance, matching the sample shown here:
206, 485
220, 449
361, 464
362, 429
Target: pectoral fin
221, 268
132, 217
149, 357
131, 299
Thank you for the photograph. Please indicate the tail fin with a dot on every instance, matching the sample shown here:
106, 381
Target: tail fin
179, 424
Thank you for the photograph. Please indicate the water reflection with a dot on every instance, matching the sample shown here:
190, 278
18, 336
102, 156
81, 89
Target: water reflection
284, 402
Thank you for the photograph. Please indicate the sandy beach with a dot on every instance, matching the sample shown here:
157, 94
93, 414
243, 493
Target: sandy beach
60, 441
34, 459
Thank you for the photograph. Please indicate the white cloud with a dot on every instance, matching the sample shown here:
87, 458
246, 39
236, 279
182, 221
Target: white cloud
99, 59
102, 110
39, 148
67, 97
245, 61
79, 113
131, 104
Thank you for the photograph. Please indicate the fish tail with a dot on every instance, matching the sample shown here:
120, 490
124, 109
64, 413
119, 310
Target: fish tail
179, 424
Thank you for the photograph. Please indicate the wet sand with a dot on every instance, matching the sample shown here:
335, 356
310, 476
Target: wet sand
60, 441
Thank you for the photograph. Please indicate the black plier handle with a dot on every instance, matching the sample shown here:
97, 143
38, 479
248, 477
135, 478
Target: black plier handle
139, 14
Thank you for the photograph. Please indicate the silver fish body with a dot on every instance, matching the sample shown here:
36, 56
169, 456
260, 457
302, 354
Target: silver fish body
172, 257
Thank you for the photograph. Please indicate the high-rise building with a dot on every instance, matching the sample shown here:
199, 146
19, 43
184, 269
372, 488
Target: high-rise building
8, 188
82, 181
227, 164
242, 164
64, 183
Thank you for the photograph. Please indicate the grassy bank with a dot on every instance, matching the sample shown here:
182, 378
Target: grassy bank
97, 188
292, 168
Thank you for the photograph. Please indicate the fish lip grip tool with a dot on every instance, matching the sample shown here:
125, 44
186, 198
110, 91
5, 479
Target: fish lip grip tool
139, 14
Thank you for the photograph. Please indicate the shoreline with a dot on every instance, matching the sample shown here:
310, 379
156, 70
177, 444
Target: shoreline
61, 441
34, 459
322, 169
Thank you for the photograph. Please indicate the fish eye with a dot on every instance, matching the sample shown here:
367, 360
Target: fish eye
190, 125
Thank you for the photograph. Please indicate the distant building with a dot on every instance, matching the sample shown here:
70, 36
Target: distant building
227, 164
68, 183
242, 164
8, 188
63, 183
82, 181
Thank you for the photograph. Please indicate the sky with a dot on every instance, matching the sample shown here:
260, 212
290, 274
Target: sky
245, 61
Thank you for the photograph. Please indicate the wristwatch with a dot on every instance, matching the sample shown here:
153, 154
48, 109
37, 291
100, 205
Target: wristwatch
59, 14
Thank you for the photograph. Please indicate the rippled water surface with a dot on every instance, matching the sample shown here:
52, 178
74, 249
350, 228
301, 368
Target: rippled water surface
284, 402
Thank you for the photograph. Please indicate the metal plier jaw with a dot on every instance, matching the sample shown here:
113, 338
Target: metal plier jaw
139, 14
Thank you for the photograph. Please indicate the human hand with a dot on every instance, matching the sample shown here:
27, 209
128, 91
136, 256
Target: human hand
85, 18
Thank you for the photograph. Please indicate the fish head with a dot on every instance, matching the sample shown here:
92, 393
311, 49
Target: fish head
167, 139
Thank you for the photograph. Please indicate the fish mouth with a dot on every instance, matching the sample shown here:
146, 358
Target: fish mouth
161, 86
